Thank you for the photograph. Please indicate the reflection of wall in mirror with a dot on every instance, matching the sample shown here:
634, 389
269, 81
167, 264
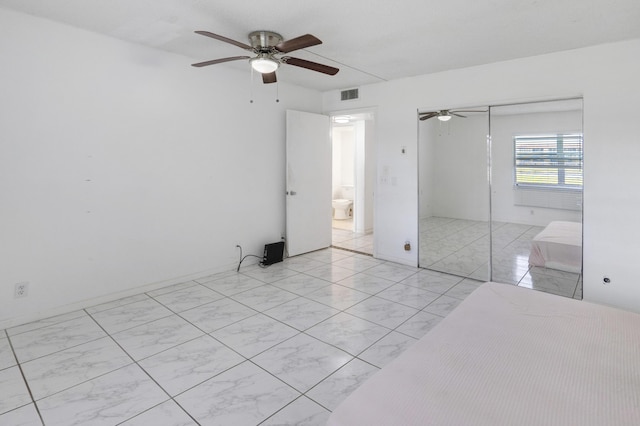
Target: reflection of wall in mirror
453, 168
507, 201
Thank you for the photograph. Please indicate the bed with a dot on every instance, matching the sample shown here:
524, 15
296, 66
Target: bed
558, 246
510, 356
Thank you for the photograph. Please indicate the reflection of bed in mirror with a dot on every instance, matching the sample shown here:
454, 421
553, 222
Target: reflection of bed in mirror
486, 191
558, 246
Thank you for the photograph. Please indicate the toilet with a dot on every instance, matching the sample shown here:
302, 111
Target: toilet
341, 208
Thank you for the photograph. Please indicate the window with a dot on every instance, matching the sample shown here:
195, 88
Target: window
552, 161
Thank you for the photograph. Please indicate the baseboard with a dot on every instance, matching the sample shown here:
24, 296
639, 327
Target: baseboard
82, 304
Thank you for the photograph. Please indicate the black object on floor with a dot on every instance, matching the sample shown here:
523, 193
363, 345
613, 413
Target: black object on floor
273, 253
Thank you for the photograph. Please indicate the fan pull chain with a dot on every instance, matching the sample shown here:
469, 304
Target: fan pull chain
277, 91
251, 87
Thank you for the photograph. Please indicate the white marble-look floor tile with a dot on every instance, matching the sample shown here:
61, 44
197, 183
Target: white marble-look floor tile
408, 295
117, 303
64, 369
301, 264
189, 364
330, 272
337, 296
437, 282
263, 298
357, 263
23, 416
302, 361
269, 274
366, 283
151, 338
335, 388
6, 353
301, 284
442, 306
44, 341
301, 412
387, 349
106, 400
328, 255
301, 313
253, 335
349, 333
13, 390
132, 315
392, 271
382, 312
243, 395
166, 414
45, 322
463, 288
233, 284
218, 314
187, 298
419, 324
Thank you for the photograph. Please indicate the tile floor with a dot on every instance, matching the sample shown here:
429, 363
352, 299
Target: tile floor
461, 247
281, 345
343, 237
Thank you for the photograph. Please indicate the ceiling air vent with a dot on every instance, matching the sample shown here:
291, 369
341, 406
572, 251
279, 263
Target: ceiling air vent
347, 95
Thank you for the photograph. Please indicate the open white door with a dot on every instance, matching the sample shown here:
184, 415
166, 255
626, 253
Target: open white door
308, 182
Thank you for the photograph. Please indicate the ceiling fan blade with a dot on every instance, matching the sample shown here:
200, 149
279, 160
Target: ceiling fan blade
269, 77
468, 110
313, 66
427, 115
297, 43
218, 61
457, 115
225, 39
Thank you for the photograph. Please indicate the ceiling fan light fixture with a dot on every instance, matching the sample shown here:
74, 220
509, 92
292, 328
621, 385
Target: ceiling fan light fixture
264, 64
444, 116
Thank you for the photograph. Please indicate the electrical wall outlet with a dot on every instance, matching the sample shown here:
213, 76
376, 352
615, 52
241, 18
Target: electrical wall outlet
21, 290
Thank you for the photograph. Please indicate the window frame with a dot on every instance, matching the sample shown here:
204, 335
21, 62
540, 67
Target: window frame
549, 159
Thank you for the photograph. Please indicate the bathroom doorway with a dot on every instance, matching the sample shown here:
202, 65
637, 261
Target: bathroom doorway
353, 179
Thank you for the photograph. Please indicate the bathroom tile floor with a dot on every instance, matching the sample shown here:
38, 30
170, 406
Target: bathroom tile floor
281, 345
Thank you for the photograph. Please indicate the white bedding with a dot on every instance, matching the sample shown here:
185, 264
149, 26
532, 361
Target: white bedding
558, 246
510, 356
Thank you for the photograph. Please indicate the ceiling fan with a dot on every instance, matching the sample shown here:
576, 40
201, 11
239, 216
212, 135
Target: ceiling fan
446, 114
266, 45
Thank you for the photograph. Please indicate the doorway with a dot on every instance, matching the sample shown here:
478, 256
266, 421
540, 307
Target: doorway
353, 178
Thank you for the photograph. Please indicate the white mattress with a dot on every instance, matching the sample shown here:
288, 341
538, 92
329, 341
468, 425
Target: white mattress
558, 246
510, 356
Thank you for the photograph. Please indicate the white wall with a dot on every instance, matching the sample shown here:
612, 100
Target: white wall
605, 75
123, 167
343, 157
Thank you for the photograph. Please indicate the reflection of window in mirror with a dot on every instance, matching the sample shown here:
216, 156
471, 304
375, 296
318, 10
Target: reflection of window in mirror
548, 161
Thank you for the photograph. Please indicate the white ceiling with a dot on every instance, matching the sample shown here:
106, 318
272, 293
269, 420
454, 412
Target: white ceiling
369, 40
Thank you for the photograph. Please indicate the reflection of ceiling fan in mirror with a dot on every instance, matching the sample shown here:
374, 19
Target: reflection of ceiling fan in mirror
446, 114
266, 45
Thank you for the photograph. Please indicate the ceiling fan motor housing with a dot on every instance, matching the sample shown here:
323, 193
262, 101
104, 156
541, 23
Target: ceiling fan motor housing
265, 40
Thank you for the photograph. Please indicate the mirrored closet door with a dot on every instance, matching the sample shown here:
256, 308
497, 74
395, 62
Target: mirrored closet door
500, 194
536, 195
454, 192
